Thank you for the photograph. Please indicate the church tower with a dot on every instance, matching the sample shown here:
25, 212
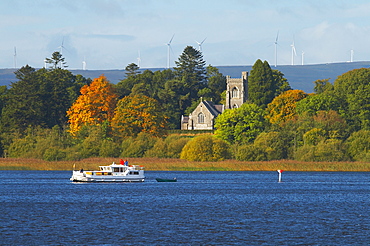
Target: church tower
236, 91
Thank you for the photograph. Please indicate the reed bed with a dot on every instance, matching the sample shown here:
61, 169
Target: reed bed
158, 164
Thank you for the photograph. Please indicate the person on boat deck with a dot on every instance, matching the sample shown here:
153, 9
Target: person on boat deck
126, 162
121, 162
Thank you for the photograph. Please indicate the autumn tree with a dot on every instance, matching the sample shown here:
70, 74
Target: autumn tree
94, 106
282, 107
138, 113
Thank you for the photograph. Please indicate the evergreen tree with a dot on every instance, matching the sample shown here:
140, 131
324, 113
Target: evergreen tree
132, 70
56, 61
39, 98
192, 65
261, 84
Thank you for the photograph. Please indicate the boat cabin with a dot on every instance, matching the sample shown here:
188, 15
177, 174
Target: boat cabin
115, 168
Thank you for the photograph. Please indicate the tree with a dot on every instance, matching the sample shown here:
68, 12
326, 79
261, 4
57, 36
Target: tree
318, 102
94, 106
138, 113
352, 89
281, 83
240, 125
132, 70
39, 97
261, 84
190, 76
282, 107
192, 65
56, 61
359, 145
216, 84
322, 85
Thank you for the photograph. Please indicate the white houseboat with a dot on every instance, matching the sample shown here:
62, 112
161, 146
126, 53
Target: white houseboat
111, 173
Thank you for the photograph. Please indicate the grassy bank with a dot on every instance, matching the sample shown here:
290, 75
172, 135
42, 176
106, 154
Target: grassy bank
156, 164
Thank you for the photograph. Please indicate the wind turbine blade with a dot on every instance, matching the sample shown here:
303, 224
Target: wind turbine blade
171, 39
203, 41
277, 37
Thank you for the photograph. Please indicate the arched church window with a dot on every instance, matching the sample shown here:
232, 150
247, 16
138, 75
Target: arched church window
234, 92
235, 106
200, 118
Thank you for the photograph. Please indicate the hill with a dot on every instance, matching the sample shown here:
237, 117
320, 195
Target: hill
299, 77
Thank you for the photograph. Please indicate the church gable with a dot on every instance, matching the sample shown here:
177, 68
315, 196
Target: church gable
202, 118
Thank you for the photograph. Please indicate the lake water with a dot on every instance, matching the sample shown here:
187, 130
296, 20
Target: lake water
202, 208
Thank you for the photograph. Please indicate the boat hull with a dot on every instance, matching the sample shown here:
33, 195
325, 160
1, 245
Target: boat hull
166, 180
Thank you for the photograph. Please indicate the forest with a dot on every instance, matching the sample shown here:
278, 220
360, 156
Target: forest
53, 115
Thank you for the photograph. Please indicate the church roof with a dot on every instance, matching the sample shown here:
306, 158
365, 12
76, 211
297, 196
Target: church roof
212, 108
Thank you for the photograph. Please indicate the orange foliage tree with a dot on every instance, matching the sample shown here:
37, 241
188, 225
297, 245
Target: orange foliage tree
138, 113
282, 107
94, 106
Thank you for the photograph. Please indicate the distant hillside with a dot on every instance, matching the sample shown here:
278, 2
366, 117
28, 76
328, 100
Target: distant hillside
299, 77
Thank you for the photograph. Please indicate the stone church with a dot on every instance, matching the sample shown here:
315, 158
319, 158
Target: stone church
202, 118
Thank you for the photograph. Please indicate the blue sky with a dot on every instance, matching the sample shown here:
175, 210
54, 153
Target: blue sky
110, 34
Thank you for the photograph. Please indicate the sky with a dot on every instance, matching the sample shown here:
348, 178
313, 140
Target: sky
110, 34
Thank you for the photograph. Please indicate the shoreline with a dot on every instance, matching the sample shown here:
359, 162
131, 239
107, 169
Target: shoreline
164, 164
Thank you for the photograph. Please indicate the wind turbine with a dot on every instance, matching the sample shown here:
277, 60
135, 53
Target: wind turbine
200, 44
169, 51
302, 57
138, 59
84, 64
276, 44
352, 52
15, 57
294, 53
61, 47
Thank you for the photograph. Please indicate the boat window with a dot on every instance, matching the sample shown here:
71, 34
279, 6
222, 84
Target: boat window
134, 172
116, 169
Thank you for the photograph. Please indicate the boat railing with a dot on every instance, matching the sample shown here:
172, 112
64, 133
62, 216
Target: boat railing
137, 167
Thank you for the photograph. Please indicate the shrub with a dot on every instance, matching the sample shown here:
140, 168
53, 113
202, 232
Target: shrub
327, 150
359, 145
274, 145
108, 148
205, 148
54, 154
136, 147
314, 136
21, 147
250, 152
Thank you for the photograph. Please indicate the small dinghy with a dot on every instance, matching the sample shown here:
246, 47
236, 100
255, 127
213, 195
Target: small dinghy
167, 180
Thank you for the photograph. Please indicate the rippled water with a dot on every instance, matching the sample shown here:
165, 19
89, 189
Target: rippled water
202, 208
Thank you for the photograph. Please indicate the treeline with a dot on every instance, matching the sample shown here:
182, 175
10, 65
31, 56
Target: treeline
52, 114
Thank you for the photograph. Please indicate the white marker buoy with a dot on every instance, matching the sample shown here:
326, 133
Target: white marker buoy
280, 171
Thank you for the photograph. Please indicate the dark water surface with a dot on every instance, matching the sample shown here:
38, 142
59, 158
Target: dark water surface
202, 208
